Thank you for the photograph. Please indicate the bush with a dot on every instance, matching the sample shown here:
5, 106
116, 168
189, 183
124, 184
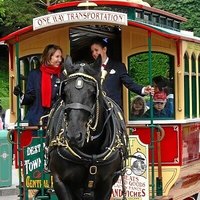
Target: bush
4, 82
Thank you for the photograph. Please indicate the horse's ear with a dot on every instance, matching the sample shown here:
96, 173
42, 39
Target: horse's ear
97, 64
98, 61
68, 65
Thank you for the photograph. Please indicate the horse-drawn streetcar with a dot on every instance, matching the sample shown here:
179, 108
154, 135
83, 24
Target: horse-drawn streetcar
163, 160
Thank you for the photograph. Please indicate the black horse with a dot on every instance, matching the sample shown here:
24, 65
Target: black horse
87, 137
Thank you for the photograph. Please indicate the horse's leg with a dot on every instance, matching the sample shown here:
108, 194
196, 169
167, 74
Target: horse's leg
62, 192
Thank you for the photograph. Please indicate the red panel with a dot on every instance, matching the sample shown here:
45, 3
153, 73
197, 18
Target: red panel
25, 140
170, 146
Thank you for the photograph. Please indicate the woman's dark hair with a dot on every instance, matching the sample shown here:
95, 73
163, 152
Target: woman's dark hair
103, 42
162, 83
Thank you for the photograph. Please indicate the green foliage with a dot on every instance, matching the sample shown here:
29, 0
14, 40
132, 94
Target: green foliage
139, 67
4, 89
15, 14
2, 11
18, 15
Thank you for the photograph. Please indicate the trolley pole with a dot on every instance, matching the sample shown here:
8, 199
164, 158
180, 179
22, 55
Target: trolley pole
151, 114
18, 121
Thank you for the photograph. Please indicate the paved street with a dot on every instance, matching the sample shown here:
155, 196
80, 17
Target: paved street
13, 197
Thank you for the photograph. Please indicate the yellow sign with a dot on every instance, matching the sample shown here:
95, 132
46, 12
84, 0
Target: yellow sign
136, 178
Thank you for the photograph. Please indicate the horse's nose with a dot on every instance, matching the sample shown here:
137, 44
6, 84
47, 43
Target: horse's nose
78, 136
75, 138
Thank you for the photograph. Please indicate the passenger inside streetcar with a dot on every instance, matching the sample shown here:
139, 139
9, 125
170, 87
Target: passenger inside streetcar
159, 102
138, 107
160, 84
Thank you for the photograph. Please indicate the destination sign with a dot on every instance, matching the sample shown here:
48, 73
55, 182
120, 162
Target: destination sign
79, 16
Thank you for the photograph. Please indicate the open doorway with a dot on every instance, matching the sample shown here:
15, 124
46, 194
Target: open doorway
81, 37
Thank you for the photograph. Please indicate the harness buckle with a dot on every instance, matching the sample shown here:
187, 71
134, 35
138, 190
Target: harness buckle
93, 170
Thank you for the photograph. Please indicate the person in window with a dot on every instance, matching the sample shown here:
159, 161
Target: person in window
138, 107
159, 102
117, 74
161, 83
42, 85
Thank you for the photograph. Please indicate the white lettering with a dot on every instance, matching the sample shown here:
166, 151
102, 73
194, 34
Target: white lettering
31, 165
33, 150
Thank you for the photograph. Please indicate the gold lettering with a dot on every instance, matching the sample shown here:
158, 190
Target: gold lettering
33, 183
46, 183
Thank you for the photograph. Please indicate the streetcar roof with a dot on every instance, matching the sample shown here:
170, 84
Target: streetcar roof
120, 3
28, 31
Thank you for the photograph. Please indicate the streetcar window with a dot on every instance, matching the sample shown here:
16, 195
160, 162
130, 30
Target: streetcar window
28, 63
163, 21
147, 16
139, 14
162, 70
177, 25
170, 22
155, 19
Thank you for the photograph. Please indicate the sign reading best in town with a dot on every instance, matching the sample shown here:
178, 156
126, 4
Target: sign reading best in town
80, 16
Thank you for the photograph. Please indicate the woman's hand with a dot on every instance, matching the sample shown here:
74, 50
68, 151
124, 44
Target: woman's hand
149, 90
17, 91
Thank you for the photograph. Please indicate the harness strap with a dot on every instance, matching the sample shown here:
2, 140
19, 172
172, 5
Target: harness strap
78, 106
105, 122
91, 182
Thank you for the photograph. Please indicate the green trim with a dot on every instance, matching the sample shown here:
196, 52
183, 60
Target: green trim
131, 14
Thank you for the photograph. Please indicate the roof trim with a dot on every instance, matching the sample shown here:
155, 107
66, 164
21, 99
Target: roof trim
17, 33
118, 3
153, 30
169, 33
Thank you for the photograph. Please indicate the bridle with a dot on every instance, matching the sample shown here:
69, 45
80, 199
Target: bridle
81, 78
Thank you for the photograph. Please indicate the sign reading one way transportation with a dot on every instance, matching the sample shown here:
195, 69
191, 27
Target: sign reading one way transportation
79, 16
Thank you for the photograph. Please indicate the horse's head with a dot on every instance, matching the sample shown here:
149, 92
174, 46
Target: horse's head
80, 93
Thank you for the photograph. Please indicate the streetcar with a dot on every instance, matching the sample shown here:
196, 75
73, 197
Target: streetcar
150, 42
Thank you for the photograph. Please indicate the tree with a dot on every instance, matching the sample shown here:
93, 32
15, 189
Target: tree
15, 14
2, 11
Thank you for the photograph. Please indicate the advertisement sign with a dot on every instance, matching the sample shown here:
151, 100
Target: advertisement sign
136, 178
34, 160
